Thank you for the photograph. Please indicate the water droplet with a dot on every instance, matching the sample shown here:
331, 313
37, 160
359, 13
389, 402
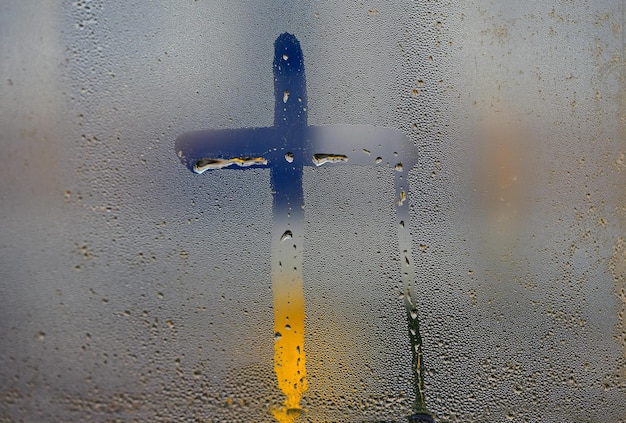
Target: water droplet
289, 157
277, 336
402, 198
212, 164
399, 167
287, 235
285, 57
288, 327
293, 413
366, 151
402, 223
413, 314
320, 159
285, 96
378, 159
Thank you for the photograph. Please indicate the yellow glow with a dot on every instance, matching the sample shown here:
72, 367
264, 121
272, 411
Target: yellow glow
289, 359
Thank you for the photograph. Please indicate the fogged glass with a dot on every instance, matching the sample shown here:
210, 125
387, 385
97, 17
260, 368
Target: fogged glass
278, 274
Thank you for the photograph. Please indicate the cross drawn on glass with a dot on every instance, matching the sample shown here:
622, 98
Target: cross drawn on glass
286, 148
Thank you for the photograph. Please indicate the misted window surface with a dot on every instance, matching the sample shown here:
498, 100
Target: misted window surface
313, 212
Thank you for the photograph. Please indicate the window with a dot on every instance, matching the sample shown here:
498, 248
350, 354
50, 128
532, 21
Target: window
471, 152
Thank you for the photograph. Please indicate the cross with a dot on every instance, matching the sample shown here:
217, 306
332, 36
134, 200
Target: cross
286, 148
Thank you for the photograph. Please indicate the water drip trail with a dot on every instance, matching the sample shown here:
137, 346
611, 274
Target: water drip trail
410, 298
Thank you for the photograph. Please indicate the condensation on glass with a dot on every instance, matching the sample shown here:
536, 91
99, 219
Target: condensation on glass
132, 289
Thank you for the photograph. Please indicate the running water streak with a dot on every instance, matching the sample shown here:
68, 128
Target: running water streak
410, 297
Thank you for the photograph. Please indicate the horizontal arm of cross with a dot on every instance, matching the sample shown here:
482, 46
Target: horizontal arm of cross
336, 145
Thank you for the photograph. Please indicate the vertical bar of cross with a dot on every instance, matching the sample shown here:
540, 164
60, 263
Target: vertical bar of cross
290, 122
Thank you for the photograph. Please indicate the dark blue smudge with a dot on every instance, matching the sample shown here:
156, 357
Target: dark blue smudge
289, 77
290, 123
